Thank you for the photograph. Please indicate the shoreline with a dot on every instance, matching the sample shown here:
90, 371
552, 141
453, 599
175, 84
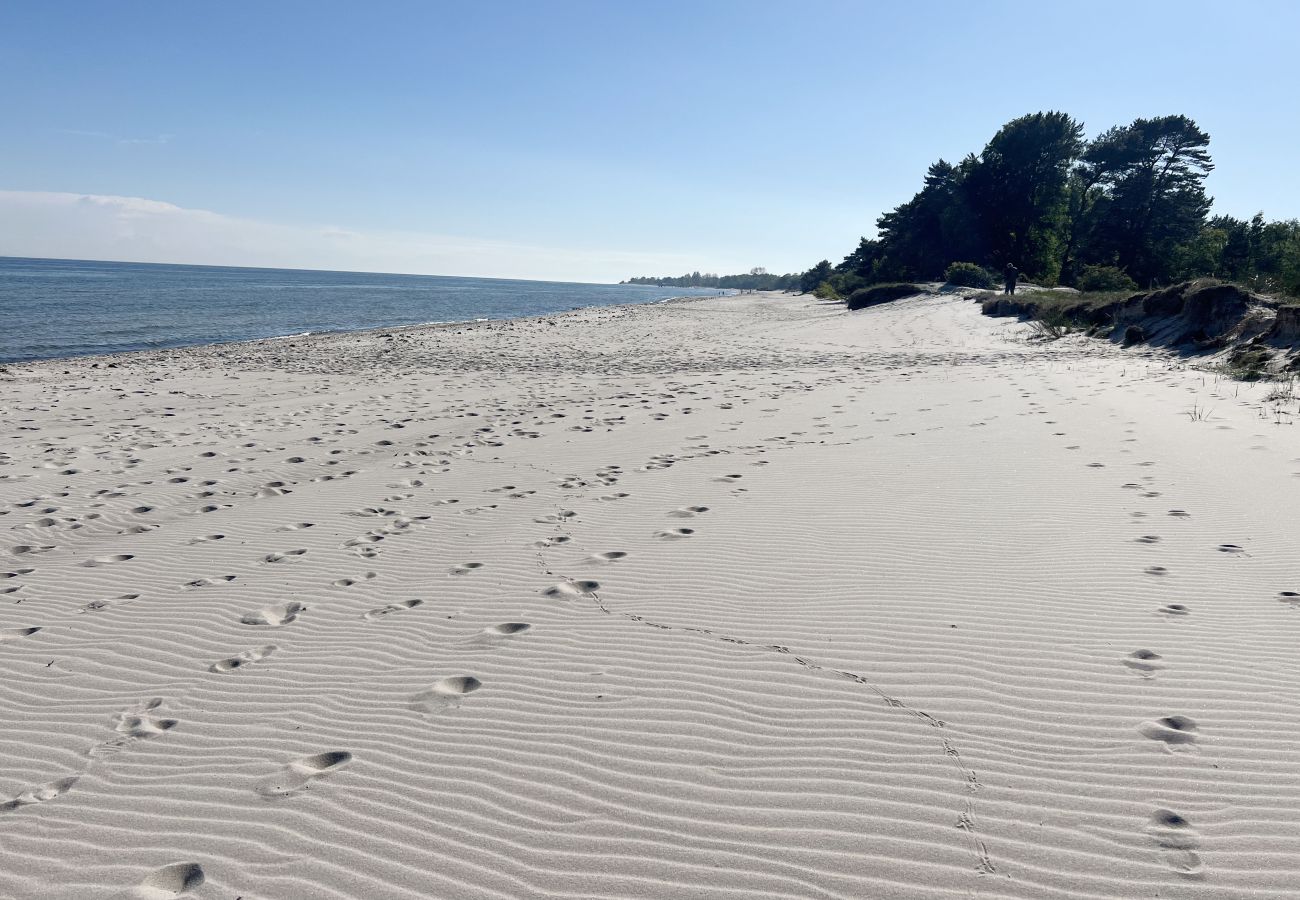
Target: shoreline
462, 323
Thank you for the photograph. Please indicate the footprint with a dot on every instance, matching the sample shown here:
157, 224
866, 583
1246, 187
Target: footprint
505, 630
552, 542
1231, 548
381, 611
40, 793
1291, 598
1156, 570
1177, 841
280, 557
296, 526
688, 512
1180, 514
1148, 539
275, 616
205, 582
232, 663
446, 693
107, 560
299, 774
1175, 609
167, 883
1172, 730
464, 568
673, 534
13, 634
350, 582
606, 557
138, 722
1147, 662
567, 589
729, 479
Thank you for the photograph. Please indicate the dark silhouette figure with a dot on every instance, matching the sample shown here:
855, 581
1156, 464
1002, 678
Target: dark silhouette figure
1010, 275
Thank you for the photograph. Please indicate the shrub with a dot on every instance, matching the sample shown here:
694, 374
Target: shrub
882, 293
825, 291
964, 274
1105, 278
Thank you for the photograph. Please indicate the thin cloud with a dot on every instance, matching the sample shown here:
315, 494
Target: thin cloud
138, 229
122, 141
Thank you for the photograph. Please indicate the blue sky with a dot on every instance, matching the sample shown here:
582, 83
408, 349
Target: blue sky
581, 141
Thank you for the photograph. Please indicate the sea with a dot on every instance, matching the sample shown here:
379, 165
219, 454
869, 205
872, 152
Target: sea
55, 308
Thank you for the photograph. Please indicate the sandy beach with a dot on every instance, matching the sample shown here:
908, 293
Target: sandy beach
719, 598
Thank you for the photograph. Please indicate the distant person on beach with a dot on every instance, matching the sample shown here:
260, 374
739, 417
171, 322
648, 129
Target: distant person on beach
1011, 274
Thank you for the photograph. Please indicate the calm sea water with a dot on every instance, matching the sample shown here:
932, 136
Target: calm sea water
54, 307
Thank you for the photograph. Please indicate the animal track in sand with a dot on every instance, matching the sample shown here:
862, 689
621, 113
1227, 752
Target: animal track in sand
688, 512
40, 793
274, 616
464, 568
1177, 841
672, 534
567, 589
239, 661
1145, 662
299, 774
1171, 730
167, 883
14, 634
380, 611
1175, 609
445, 693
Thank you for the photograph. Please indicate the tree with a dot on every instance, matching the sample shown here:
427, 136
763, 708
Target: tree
815, 276
1018, 188
1144, 195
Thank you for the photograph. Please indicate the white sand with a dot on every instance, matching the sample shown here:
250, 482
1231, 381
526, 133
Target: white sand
899, 655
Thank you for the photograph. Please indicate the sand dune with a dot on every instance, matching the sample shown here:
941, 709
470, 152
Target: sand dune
734, 597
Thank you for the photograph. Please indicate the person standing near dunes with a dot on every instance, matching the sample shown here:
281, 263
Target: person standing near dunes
1010, 274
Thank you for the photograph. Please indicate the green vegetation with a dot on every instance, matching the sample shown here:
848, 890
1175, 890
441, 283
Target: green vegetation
882, 293
824, 291
757, 279
1124, 210
1105, 278
964, 274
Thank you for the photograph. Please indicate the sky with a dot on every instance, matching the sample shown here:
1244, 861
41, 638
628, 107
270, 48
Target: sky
581, 141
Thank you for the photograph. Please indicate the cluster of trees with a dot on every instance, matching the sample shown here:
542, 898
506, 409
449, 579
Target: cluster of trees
756, 279
1127, 207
